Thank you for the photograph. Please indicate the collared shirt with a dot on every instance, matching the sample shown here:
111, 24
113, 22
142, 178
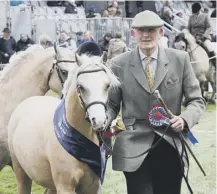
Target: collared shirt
153, 63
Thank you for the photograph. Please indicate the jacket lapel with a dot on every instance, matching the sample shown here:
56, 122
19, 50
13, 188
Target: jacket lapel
137, 69
161, 69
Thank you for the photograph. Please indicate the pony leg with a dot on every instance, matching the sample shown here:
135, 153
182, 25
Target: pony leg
5, 158
48, 191
211, 100
202, 90
24, 183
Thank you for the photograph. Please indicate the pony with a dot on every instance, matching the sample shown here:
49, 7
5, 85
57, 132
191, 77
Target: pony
32, 72
38, 129
203, 69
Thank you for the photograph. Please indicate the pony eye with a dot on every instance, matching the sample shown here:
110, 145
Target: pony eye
107, 86
80, 88
64, 72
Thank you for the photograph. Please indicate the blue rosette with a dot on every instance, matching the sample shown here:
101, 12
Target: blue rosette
157, 116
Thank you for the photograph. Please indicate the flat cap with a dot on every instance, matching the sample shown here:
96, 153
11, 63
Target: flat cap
6, 30
147, 19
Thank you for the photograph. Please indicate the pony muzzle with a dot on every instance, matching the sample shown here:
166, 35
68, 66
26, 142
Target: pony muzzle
97, 116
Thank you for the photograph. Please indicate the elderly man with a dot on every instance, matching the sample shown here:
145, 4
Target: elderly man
141, 71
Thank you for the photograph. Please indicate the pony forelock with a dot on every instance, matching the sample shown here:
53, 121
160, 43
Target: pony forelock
90, 63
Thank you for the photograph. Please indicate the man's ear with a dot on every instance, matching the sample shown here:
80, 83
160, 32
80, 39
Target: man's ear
133, 33
161, 32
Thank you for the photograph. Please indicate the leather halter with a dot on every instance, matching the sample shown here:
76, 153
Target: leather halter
86, 106
60, 72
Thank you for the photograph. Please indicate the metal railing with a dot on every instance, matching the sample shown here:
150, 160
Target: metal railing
100, 26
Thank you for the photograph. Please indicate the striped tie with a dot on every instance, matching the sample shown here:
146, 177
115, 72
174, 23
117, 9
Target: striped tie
148, 72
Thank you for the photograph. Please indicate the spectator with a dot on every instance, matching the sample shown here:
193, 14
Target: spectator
23, 43
45, 41
118, 13
104, 42
167, 17
87, 37
79, 36
116, 46
69, 7
91, 12
7, 46
64, 39
105, 13
177, 22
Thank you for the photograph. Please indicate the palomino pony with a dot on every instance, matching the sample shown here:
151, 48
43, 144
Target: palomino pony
32, 72
203, 69
54, 142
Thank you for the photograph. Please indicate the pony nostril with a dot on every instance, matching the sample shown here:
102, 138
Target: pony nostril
94, 120
104, 123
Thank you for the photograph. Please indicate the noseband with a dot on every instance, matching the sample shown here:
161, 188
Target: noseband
60, 72
86, 106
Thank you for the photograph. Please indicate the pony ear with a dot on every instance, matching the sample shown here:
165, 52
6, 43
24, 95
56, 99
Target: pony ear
78, 59
104, 57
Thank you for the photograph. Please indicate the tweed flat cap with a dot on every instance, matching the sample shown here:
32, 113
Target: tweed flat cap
147, 19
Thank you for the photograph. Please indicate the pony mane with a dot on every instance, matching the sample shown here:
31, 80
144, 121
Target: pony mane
90, 63
20, 59
189, 37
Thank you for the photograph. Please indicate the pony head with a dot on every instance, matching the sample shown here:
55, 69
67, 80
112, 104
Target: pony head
92, 81
180, 42
184, 40
64, 61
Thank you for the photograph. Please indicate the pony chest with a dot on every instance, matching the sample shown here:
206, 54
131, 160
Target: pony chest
77, 145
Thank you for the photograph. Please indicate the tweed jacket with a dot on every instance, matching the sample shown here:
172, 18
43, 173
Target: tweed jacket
199, 26
174, 78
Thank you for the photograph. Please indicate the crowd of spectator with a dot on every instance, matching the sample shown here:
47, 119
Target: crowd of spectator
8, 45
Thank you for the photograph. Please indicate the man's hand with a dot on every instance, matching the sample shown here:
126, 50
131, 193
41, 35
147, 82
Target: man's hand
6, 54
177, 123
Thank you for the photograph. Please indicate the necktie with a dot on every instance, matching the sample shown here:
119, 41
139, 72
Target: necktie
148, 72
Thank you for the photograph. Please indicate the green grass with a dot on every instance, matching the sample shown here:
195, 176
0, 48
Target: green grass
114, 181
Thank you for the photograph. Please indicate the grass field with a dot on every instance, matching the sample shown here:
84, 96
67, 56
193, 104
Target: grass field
114, 183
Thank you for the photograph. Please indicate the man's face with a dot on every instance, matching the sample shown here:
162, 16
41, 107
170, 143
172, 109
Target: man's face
147, 38
24, 37
6, 34
63, 36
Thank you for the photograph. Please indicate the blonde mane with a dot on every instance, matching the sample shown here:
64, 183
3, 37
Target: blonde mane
20, 60
89, 63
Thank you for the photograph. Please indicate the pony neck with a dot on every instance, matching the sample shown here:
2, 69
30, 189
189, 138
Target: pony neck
75, 115
20, 82
191, 43
30, 76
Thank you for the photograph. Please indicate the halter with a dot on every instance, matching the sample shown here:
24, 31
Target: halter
86, 106
62, 74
